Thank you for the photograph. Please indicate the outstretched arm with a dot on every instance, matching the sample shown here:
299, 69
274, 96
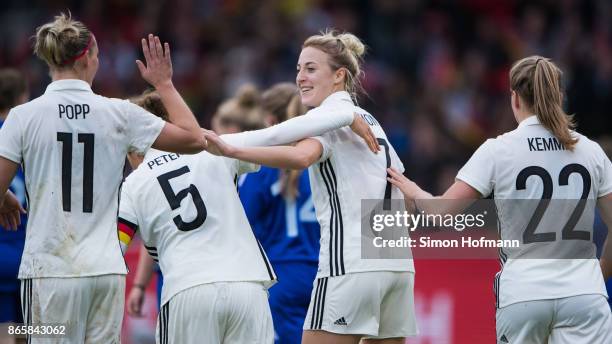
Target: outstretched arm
183, 134
300, 156
314, 123
460, 192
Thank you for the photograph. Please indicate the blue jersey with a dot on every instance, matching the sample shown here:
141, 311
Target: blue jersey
287, 229
289, 233
11, 242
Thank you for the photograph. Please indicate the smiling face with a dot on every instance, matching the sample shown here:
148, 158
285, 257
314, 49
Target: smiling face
315, 78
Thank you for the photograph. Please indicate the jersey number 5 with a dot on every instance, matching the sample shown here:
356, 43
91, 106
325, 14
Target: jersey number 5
174, 199
88, 169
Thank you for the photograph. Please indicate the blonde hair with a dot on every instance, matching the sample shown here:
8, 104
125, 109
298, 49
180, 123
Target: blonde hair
151, 101
62, 41
537, 80
346, 51
276, 99
242, 110
290, 178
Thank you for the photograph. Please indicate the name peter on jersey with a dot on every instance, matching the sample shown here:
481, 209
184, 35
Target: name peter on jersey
162, 159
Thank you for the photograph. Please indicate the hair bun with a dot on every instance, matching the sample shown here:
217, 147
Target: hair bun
352, 43
248, 96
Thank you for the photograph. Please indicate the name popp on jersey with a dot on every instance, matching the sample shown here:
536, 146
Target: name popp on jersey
73, 111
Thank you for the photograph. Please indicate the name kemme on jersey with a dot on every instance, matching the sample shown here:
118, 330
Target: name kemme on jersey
73, 111
162, 159
542, 144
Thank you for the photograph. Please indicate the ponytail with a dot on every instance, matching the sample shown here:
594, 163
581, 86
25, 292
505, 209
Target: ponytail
537, 80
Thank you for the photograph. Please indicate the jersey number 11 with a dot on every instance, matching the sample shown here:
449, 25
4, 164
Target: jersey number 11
88, 169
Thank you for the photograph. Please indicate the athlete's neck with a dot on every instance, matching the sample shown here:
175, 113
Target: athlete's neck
69, 74
523, 116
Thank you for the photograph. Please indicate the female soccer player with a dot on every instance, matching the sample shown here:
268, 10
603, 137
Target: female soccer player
191, 221
540, 300
72, 145
352, 298
236, 114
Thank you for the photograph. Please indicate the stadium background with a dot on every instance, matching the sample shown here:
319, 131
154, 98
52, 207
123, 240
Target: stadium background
435, 73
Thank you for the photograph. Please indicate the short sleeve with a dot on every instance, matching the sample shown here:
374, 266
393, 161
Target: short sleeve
127, 222
605, 180
327, 147
479, 171
127, 207
11, 138
142, 128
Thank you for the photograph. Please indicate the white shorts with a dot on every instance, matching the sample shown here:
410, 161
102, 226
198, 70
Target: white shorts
90, 308
222, 312
376, 304
572, 320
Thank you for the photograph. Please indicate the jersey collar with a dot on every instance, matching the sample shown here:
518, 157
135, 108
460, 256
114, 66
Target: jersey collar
338, 96
531, 120
68, 84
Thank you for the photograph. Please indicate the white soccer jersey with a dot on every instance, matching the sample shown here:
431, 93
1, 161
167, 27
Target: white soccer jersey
347, 173
73, 144
529, 163
190, 218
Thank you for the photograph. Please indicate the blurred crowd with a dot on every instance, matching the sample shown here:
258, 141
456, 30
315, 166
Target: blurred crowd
435, 71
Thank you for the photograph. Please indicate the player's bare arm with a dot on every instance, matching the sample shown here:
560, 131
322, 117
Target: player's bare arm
10, 208
144, 272
183, 134
460, 191
300, 156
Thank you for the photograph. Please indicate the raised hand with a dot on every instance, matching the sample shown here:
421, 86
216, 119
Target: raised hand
361, 128
158, 68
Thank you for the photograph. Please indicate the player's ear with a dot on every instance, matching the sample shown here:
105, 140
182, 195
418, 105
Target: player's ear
516, 101
339, 76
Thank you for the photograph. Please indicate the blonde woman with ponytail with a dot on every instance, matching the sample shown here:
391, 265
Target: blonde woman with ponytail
541, 299
72, 144
353, 299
